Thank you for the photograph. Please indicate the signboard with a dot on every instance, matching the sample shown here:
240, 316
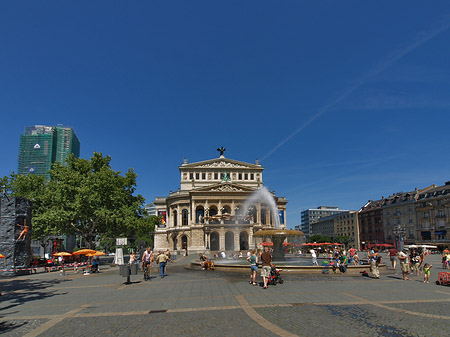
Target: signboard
121, 241
162, 217
118, 258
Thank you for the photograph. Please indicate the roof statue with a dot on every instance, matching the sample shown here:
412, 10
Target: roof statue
221, 150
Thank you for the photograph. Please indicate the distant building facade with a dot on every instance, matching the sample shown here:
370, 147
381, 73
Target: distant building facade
150, 209
433, 214
211, 212
41, 146
311, 216
399, 210
342, 224
370, 219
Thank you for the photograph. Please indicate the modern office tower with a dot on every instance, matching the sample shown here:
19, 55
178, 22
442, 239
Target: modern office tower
311, 216
41, 146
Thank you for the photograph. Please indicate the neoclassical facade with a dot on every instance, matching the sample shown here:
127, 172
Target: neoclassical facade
210, 211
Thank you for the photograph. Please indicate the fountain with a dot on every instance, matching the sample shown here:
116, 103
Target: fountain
276, 234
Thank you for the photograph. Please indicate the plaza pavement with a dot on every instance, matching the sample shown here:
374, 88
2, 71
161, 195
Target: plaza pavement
211, 303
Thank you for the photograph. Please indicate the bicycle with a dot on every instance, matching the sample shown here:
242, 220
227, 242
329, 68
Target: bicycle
146, 271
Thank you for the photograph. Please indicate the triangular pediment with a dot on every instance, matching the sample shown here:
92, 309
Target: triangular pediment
224, 187
221, 163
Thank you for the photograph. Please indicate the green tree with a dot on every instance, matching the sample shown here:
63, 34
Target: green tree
319, 238
89, 198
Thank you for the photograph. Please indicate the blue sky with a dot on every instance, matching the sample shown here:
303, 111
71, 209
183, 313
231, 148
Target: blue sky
341, 101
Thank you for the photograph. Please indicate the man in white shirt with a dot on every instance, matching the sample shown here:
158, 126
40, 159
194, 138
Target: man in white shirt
314, 257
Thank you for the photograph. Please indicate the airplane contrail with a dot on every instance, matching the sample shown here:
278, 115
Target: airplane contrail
421, 38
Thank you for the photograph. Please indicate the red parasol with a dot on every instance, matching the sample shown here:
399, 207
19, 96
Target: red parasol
268, 244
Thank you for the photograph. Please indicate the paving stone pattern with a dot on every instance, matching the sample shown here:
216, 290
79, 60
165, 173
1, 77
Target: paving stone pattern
211, 303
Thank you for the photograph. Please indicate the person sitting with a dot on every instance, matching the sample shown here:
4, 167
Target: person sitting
203, 258
94, 267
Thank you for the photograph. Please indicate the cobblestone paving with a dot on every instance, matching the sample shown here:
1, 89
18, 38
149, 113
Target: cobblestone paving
202, 303
20, 327
212, 323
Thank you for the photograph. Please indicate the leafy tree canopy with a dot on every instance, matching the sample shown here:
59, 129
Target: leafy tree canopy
85, 197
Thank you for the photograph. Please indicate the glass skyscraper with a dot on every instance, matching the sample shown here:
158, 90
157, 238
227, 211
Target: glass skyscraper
41, 146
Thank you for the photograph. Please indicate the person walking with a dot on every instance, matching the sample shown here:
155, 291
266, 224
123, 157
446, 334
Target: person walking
132, 258
314, 257
162, 259
375, 259
415, 262
266, 260
403, 257
392, 253
253, 259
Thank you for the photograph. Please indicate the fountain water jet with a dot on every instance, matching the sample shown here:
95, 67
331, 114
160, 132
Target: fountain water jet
262, 194
277, 235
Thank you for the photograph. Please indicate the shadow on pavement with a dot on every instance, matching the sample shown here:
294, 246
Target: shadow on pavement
18, 292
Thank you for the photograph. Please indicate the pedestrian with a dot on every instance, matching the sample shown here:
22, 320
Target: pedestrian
132, 258
392, 253
403, 257
147, 259
253, 259
352, 252
375, 260
266, 260
415, 262
314, 257
162, 260
426, 272
356, 259
169, 256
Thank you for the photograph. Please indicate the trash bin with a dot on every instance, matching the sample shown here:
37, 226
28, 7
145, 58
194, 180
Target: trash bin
134, 269
124, 270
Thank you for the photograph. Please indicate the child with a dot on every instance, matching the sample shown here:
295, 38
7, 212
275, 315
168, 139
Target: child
426, 272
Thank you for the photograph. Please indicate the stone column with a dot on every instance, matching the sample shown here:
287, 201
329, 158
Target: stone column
236, 232
251, 245
221, 232
258, 213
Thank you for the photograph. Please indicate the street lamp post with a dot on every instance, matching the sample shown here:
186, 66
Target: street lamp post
399, 233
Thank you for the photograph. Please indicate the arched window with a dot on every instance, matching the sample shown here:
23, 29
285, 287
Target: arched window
226, 211
184, 217
212, 212
243, 241
252, 213
199, 214
184, 242
214, 241
175, 218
